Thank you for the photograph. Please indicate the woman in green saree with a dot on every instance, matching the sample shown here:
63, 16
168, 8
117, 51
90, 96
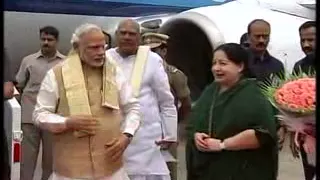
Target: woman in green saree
232, 130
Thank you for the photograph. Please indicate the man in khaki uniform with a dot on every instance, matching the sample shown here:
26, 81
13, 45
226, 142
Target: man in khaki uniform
178, 84
29, 77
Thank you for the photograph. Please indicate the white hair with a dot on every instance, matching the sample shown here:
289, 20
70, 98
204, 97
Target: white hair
82, 29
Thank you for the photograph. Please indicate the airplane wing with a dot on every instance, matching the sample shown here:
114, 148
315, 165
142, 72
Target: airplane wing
119, 8
311, 4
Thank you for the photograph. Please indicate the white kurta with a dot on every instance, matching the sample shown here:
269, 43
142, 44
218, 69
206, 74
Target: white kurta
159, 115
45, 117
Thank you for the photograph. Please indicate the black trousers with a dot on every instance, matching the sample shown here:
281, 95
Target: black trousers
309, 171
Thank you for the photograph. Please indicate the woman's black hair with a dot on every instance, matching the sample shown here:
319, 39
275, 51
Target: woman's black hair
238, 55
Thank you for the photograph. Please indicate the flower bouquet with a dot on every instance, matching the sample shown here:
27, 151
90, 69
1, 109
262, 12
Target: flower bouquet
295, 98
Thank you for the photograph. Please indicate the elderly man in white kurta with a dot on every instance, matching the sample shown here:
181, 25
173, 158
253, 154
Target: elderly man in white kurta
83, 102
144, 69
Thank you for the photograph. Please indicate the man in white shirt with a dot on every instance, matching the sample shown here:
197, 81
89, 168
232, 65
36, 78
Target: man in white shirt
144, 68
81, 101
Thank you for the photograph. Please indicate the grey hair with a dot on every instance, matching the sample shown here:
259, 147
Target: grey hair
82, 29
135, 24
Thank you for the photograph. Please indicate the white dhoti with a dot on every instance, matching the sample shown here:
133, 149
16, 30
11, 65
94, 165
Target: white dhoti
119, 175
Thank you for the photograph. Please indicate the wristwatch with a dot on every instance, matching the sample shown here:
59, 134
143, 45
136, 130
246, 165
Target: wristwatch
222, 146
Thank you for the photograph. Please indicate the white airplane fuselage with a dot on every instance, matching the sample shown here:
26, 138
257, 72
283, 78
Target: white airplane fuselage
213, 24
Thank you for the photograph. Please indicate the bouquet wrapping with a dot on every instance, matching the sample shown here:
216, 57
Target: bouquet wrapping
295, 98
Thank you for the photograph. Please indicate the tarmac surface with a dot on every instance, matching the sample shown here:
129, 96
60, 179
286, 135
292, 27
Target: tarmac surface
289, 168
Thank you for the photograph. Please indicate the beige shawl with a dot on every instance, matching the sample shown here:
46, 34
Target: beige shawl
76, 91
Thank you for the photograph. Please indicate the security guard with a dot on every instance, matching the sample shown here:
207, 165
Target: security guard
177, 79
178, 83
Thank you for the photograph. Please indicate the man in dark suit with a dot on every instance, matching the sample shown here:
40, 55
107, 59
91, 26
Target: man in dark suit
262, 63
244, 42
306, 65
307, 33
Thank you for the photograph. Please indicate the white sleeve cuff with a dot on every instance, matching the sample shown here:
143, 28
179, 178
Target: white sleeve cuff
54, 123
132, 124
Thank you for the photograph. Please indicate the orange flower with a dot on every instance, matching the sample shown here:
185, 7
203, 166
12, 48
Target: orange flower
297, 94
292, 106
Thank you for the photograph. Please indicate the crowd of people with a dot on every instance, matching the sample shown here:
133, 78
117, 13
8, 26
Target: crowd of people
113, 113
